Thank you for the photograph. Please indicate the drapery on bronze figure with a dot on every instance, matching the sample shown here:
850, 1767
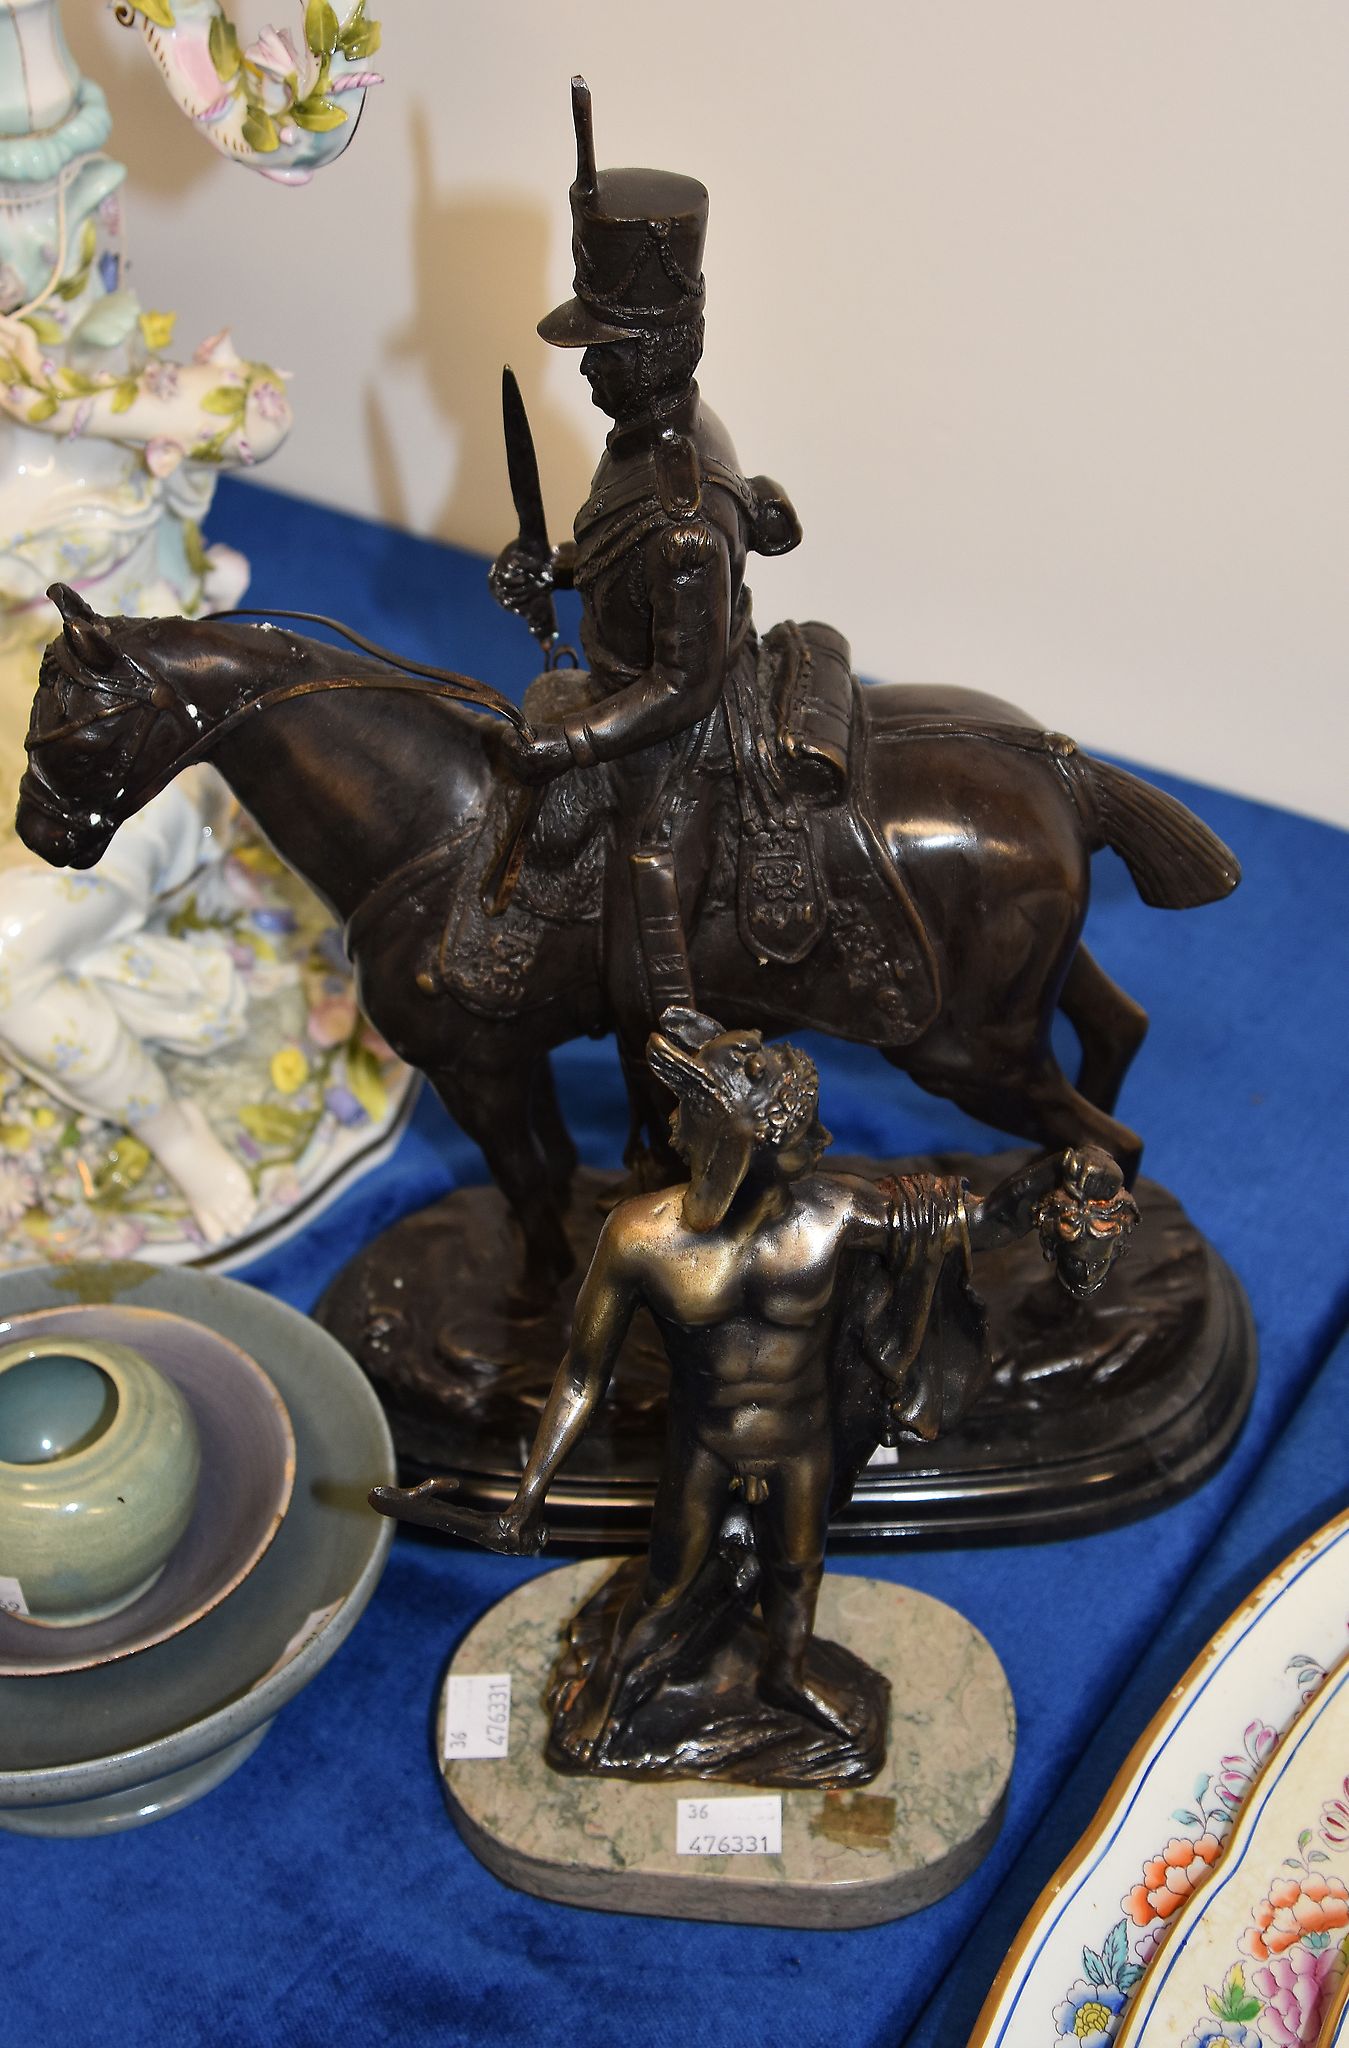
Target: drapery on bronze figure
807, 1316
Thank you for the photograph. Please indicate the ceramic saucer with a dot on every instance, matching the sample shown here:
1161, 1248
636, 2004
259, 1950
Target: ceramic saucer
90, 1752
247, 1473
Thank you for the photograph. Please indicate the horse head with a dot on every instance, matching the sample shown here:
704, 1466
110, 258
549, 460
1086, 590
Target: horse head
108, 727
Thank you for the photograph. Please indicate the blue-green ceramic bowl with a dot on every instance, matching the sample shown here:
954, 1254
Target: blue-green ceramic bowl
87, 1752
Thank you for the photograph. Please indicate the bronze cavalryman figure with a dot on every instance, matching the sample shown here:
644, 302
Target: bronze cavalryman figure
720, 794
700, 816
672, 698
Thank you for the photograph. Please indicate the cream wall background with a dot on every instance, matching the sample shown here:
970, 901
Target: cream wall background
1038, 308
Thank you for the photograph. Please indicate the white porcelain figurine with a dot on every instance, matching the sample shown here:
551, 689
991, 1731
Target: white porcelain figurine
113, 982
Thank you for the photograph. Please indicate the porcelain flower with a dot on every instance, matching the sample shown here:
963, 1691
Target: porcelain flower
1169, 1879
120, 1237
162, 456
1089, 2016
290, 1069
219, 351
161, 380
274, 53
332, 1020
344, 1106
269, 398
1294, 1907
18, 1192
157, 328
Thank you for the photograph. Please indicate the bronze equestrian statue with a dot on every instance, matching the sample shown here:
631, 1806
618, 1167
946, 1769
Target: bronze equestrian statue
795, 1306
702, 816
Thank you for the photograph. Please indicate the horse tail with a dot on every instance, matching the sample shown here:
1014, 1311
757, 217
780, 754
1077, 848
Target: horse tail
1175, 860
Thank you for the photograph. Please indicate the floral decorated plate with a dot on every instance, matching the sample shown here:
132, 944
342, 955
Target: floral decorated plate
1258, 1955
1080, 1955
303, 1100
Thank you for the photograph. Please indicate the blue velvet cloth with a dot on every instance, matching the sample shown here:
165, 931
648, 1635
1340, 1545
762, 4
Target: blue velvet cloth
322, 1894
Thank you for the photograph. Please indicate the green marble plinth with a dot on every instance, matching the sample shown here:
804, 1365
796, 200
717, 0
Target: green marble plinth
849, 1858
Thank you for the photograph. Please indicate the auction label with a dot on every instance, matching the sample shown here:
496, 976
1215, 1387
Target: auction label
11, 1596
477, 1716
729, 1827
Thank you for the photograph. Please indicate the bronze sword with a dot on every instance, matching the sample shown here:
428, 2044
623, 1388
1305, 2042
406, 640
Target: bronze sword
522, 466
539, 614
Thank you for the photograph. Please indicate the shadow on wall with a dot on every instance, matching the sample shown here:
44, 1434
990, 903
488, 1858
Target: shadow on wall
162, 152
480, 266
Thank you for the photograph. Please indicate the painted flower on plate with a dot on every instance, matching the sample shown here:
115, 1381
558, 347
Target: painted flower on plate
1334, 1822
1298, 1987
1236, 1773
1169, 1879
1211, 2031
1089, 2016
1294, 1907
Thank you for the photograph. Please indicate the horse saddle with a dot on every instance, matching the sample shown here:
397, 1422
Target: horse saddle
811, 864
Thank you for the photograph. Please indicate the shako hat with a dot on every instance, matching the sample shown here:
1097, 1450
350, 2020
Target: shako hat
637, 242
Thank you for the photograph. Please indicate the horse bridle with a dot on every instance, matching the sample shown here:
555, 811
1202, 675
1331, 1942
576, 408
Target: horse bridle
150, 694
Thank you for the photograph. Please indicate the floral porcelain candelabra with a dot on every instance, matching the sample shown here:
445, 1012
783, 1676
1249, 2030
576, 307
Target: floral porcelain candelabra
116, 984
287, 103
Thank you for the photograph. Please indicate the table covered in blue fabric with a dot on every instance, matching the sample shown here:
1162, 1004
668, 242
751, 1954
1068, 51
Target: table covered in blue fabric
321, 1895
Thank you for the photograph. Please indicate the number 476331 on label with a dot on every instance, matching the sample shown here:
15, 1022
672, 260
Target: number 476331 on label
729, 1827
477, 1716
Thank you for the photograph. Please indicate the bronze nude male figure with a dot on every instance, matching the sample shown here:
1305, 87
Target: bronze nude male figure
794, 1306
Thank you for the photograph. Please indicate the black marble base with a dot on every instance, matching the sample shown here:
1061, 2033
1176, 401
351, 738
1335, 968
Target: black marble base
1097, 1411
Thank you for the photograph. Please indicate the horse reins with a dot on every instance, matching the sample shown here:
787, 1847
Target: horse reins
423, 680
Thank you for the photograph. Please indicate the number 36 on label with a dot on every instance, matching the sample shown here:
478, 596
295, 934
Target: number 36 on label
729, 1827
477, 1716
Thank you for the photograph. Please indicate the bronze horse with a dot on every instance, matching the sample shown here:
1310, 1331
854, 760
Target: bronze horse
375, 787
